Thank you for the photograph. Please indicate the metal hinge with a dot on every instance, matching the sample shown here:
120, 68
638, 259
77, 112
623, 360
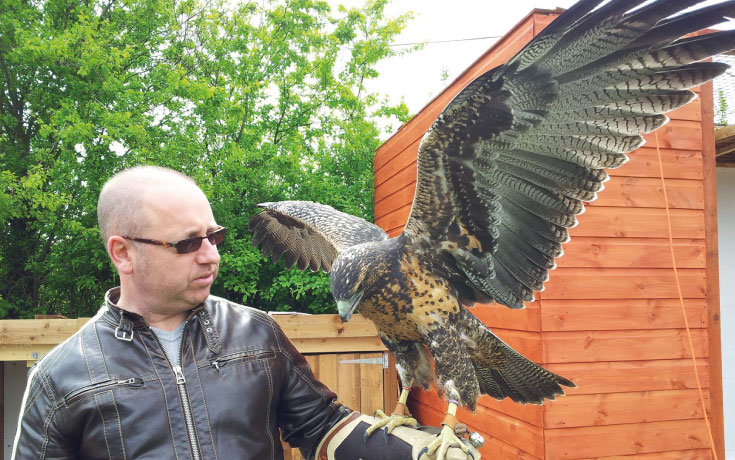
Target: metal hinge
383, 361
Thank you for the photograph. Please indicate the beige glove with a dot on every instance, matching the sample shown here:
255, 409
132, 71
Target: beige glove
347, 441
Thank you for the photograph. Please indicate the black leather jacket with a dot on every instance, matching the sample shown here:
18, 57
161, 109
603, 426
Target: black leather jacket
109, 391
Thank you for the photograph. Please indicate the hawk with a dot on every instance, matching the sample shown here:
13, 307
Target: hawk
502, 174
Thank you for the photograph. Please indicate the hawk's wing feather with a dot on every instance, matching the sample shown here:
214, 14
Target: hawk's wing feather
309, 235
505, 169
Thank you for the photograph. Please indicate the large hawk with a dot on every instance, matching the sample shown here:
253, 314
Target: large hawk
502, 174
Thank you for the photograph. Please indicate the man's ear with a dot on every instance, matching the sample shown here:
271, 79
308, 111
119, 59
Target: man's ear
121, 253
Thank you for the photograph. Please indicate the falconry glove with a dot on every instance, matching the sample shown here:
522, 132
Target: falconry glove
347, 441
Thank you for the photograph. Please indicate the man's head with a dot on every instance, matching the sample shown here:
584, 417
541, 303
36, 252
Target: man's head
157, 204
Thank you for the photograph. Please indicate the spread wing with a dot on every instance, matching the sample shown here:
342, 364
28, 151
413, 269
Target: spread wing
308, 234
506, 167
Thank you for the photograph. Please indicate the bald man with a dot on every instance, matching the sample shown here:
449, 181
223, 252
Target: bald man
166, 371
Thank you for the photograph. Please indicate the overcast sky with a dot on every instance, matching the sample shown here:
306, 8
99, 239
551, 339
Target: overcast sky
417, 77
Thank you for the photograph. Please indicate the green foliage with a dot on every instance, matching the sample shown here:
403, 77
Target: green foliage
256, 102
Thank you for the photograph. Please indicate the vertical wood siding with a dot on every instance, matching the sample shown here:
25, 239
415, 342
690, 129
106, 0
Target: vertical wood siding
610, 317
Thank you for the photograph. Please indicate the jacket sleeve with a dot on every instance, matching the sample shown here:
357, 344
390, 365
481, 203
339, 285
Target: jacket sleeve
37, 435
307, 409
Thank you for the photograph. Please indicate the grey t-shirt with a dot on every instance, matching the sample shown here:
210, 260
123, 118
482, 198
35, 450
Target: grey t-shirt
171, 342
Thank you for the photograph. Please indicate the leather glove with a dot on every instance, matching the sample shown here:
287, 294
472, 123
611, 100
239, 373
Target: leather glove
346, 441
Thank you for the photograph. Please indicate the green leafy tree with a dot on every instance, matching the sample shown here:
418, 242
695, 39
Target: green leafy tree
256, 102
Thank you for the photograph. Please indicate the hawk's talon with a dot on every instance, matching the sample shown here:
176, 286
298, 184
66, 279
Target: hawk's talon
444, 440
389, 422
422, 452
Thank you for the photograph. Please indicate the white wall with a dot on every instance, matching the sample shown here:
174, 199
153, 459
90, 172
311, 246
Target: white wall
15, 385
726, 233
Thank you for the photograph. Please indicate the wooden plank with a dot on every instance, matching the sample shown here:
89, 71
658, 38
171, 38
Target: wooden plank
617, 408
529, 413
371, 386
620, 191
404, 159
391, 387
596, 441
328, 373
691, 454
712, 271
404, 178
526, 343
622, 283
627, 376
494, 448
639, 222
324, 326
605, 222
691, 111
23, 352
36, 331
623, 345
500, 316
399, 198
647, 192
677, 134
517, 433
678, 164
601, 315
331, 345
586, 251
395, 219
349, 386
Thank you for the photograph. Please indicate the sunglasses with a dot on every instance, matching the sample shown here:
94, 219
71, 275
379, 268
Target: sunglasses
188, 245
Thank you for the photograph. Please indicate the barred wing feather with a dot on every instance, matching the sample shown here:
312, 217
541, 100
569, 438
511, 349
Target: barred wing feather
505, 169
307, 234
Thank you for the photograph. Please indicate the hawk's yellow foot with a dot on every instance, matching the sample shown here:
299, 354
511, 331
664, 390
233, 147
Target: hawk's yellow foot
447, 437
399, 417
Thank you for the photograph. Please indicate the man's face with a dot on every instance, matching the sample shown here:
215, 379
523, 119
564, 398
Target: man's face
169, 282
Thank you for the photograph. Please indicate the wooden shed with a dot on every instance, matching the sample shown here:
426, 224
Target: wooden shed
610, 317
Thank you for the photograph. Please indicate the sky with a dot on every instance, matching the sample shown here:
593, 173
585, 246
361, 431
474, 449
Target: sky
416, 78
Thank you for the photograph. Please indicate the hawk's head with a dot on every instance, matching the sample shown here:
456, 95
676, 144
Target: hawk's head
354, 274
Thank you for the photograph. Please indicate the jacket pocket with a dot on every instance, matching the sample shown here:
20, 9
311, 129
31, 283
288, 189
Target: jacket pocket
239, 358
89, 390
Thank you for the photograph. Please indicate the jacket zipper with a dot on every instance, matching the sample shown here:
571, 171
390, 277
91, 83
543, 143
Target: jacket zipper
183, 394
181, 386
133, 382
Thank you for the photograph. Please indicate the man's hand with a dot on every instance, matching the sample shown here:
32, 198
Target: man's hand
347, 441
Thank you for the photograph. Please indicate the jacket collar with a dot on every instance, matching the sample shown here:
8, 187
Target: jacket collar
127, 321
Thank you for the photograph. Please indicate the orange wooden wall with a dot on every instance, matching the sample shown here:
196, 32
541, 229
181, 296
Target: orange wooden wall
610, 317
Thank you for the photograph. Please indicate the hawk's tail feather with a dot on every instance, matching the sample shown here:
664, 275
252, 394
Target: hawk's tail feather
520, 379
503, 372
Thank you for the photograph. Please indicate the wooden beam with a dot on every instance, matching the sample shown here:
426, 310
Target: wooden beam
36, 331
324, 326
712, 269
23, 352
30, 339
723, 132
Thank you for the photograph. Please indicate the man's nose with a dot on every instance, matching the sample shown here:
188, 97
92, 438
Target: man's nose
208, 253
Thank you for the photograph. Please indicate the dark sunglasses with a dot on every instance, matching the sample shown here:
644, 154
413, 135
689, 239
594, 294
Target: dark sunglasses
188, 245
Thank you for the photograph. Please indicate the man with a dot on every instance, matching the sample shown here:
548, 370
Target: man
166, 371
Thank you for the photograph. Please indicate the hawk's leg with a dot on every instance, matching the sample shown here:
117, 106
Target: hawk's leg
455, 379
414, 368
399, 417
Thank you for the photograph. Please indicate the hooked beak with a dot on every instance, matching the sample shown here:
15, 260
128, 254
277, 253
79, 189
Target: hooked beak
347, 307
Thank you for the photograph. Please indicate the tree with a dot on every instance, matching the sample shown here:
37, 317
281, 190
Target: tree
256, 102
